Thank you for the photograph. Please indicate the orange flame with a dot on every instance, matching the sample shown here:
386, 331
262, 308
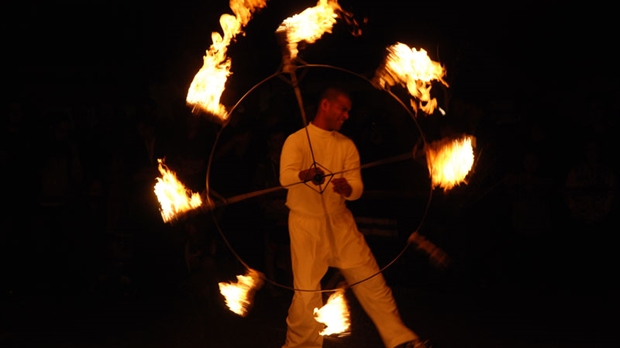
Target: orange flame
414, 70
335, 315
239, 295
208, 85
310, 24
173, 197
449, 161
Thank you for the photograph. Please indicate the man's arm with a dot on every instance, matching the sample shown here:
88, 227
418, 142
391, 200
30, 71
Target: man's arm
290, 162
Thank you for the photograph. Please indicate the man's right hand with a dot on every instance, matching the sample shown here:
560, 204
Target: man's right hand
314, 174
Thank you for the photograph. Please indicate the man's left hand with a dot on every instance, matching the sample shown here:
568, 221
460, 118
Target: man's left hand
341, 186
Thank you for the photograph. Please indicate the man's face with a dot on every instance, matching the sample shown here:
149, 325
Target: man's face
337, 112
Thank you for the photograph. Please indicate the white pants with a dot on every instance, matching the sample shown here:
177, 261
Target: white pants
318, 243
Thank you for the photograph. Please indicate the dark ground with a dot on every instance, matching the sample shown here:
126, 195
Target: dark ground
566, 298
451, 315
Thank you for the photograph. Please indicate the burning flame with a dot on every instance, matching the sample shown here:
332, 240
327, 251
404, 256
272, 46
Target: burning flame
449, 161
310, 24
208, 85
413, 69
335, 315
173, 197
239, 295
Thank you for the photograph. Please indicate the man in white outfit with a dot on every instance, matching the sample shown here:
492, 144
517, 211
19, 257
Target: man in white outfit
320, 167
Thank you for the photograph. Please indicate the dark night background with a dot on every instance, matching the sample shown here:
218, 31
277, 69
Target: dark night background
87, 261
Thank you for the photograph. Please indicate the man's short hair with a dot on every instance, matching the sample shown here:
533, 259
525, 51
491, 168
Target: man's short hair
333, 92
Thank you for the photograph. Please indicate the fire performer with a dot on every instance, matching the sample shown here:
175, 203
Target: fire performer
323, 232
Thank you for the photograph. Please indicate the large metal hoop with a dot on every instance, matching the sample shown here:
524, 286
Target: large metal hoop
280, 73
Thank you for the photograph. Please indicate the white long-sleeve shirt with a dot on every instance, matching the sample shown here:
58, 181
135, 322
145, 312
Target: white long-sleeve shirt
334, 153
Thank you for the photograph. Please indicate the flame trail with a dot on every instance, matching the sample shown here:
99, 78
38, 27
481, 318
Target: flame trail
414, 70
311, 24
173, 197
335, 315
208, 85
449, 161
239, 295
